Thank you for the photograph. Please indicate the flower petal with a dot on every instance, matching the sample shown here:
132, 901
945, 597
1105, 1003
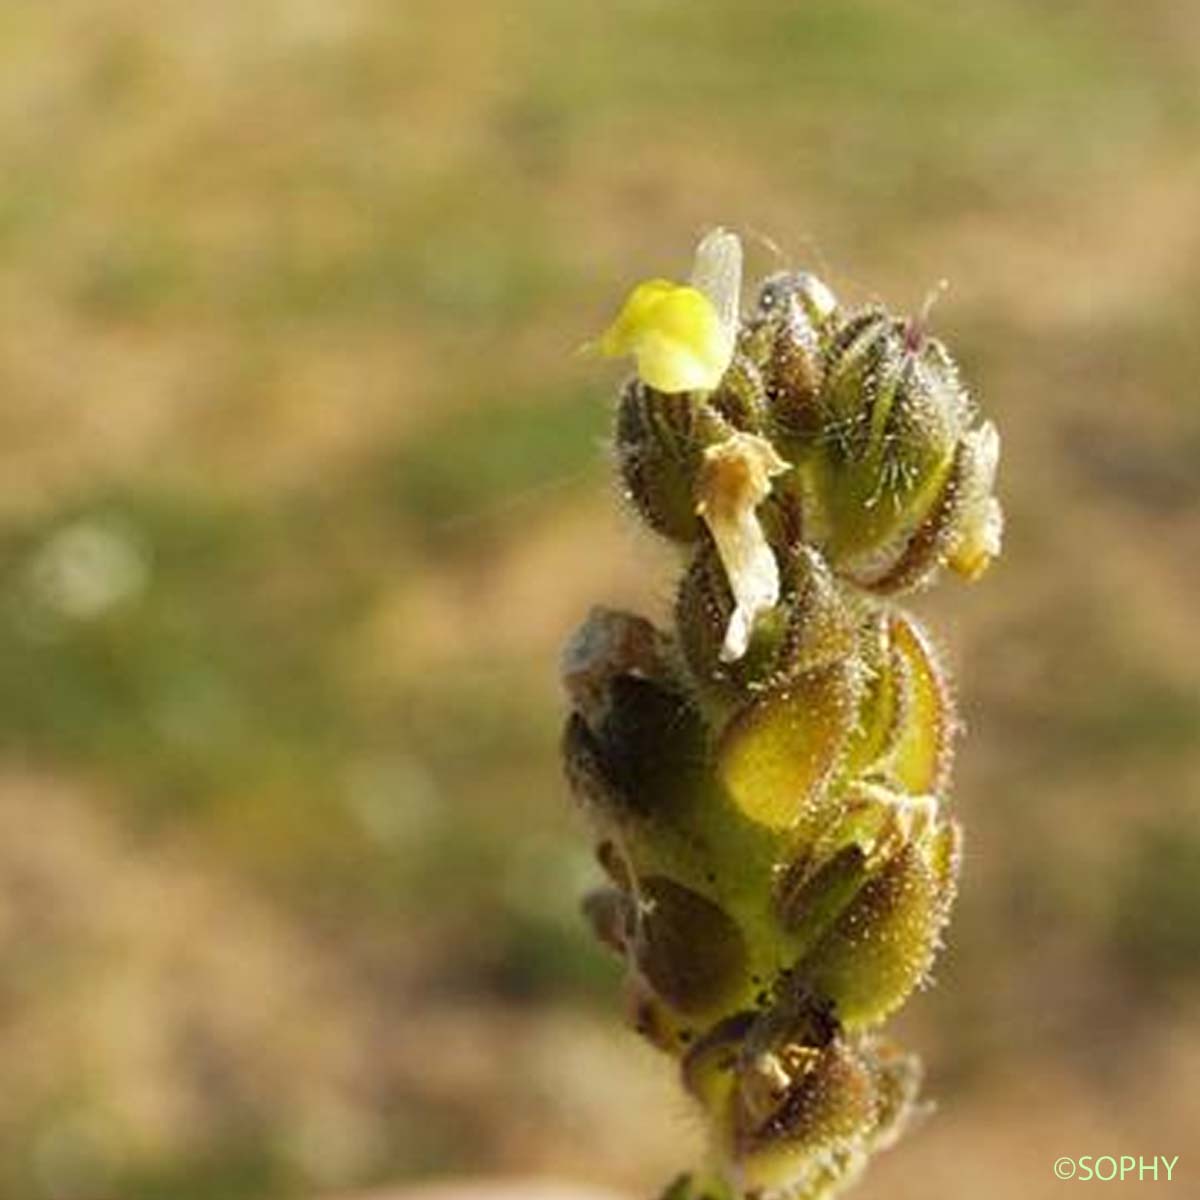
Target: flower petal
683, 335
717, 272
735, 480
982, 520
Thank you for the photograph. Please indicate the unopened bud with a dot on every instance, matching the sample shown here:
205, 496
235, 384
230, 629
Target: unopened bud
660, 444
789, 1126
809, 626
786, 336
882, 945
893, 412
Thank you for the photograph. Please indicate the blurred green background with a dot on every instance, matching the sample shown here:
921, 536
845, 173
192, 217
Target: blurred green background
304, 484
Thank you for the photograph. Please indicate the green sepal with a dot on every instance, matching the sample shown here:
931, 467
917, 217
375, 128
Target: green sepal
778, 755
660, 444
883, 943
892, 410
922, 753
811, 626
673, 924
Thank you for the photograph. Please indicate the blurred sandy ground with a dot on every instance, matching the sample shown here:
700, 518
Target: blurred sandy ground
513, 1189
303, 485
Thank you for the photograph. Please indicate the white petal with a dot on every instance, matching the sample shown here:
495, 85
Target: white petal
717, 272
736, 479
981, 525
985, 445
819, 301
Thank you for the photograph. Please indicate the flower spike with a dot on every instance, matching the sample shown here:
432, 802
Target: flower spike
768, 781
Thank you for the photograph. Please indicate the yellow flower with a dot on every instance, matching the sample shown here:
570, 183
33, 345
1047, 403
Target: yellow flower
682, 335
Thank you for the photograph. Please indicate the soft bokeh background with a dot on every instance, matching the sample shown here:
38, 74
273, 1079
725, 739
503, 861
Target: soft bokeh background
303, 485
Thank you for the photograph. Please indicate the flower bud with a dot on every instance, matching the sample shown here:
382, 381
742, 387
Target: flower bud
799, 1116
883, 943
893, 410
786, 336
840, 853
660, 445
742, 397
810, 626
812, 893
962, 528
